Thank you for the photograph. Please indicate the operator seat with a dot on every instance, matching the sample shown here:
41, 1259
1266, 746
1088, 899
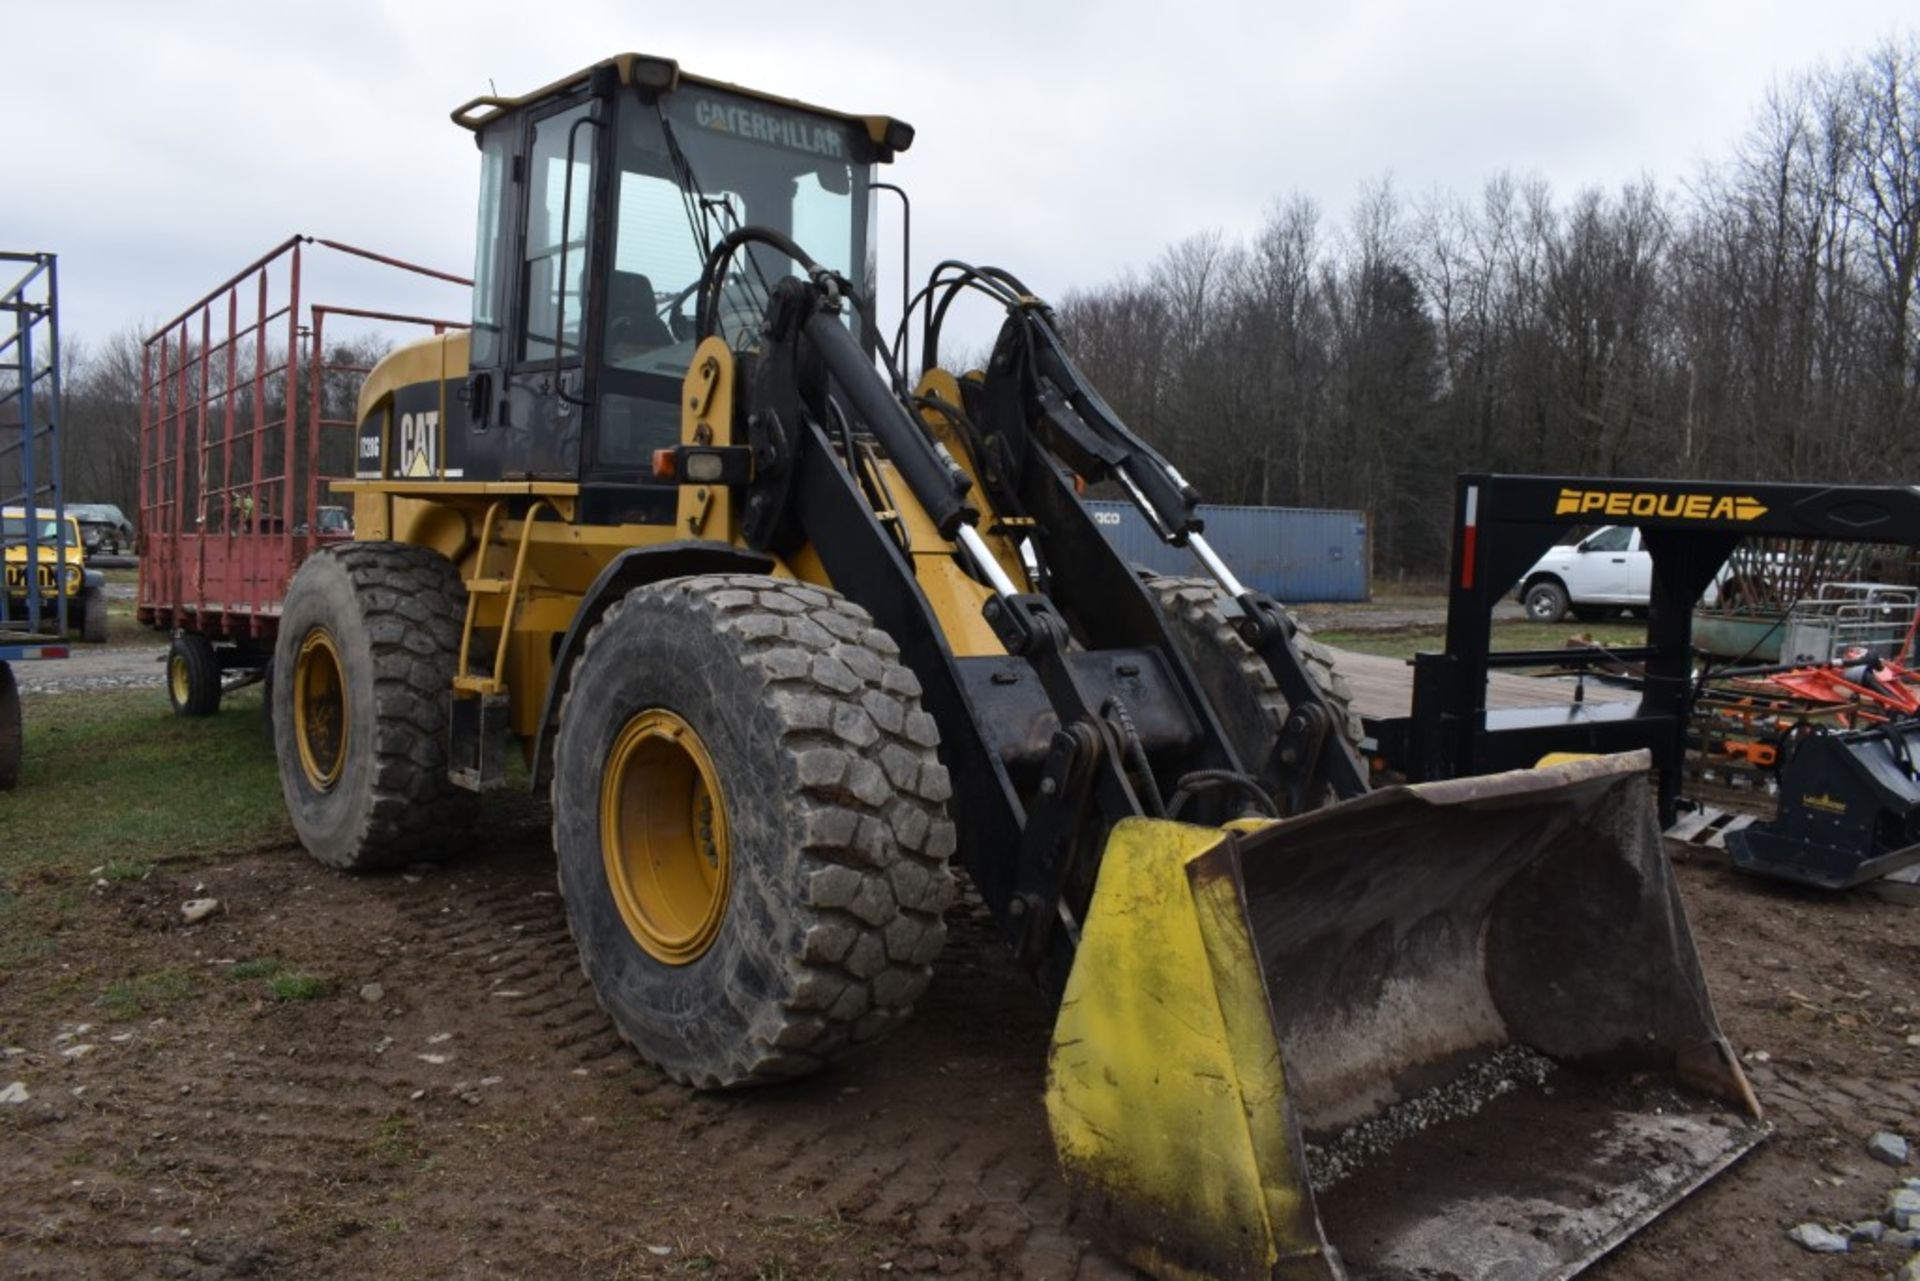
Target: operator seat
633, 318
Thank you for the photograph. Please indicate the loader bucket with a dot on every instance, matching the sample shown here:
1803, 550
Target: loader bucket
1455, 1030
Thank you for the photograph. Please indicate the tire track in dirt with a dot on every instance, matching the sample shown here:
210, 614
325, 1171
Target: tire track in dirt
935, 1138
476, 1113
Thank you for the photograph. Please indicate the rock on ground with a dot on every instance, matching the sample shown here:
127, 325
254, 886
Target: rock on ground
1820, 1240
1889, 1148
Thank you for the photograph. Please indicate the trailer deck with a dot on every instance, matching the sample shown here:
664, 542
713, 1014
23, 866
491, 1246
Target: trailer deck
1383, 687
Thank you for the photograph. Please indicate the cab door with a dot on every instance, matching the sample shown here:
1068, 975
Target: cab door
545, 398
1603, 569
1639, 571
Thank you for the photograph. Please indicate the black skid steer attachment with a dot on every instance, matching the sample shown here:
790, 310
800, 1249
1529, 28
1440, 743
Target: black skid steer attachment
1849, 810
1457, 1030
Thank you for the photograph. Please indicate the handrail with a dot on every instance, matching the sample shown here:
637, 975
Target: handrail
513, 590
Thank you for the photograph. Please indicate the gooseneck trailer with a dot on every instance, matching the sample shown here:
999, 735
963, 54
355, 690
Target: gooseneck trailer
1849, 804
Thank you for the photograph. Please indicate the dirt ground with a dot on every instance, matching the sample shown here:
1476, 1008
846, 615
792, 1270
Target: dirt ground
406, 1076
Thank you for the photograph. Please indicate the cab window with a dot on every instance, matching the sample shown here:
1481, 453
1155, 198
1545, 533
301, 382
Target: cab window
686, 171
491, 254
1614, 538
559, 200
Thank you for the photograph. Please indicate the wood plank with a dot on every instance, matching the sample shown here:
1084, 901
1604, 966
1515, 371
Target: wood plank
1384, 686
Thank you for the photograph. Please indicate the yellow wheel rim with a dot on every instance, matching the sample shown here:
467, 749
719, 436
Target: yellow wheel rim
320, 710
663, 837
178, 682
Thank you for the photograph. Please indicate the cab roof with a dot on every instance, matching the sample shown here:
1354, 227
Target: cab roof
663, 75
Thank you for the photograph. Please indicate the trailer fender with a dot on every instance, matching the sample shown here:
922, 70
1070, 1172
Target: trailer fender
635, 567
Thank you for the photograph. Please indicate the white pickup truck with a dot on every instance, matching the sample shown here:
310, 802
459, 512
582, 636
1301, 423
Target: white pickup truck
1607, 571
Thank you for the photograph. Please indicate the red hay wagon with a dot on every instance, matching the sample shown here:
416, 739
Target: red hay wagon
246, 416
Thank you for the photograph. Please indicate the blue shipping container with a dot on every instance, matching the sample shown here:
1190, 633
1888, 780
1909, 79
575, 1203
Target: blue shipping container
1294, 554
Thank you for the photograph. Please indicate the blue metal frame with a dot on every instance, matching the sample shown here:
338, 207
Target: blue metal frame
30, 440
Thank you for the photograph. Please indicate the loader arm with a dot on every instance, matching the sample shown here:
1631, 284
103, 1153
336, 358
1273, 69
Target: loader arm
1037, 412
1126, 717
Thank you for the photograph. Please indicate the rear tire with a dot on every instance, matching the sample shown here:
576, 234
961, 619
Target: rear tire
793, 784
12, 731
1239, 684
93, 615
1546, 602
193, 675
362, 684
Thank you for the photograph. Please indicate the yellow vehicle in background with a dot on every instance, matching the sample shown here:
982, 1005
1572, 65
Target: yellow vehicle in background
54, 548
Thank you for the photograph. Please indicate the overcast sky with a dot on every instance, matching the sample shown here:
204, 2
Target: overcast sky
166, 144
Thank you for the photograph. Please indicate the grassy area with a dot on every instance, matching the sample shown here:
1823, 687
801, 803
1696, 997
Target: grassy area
114, 785
147, 995
282, 982
117, 779
123, 627
1406, 642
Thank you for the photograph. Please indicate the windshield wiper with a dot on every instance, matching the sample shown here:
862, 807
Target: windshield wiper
699, 206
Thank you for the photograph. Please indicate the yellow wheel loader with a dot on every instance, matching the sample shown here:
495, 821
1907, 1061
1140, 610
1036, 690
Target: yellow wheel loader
786, 636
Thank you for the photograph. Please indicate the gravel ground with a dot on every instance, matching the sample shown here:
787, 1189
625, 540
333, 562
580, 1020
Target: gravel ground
95, 668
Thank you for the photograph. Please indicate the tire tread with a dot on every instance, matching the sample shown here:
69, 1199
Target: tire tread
414, 605
874, 836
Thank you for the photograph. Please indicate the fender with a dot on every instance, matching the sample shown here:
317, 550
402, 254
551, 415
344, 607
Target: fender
635, 567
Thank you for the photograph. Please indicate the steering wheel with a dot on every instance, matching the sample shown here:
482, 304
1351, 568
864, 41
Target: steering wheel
673, 312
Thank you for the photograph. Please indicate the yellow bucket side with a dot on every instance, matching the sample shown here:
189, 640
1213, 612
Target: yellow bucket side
1165, 1089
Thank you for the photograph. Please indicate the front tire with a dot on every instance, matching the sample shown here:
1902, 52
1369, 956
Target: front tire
362, 683
1546, 602
193, 675
750, 817
93, 615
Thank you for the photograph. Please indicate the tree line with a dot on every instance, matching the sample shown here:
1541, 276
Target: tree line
1758, 322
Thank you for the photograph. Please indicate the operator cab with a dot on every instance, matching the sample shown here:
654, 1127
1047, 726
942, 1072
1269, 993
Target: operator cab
601, 198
